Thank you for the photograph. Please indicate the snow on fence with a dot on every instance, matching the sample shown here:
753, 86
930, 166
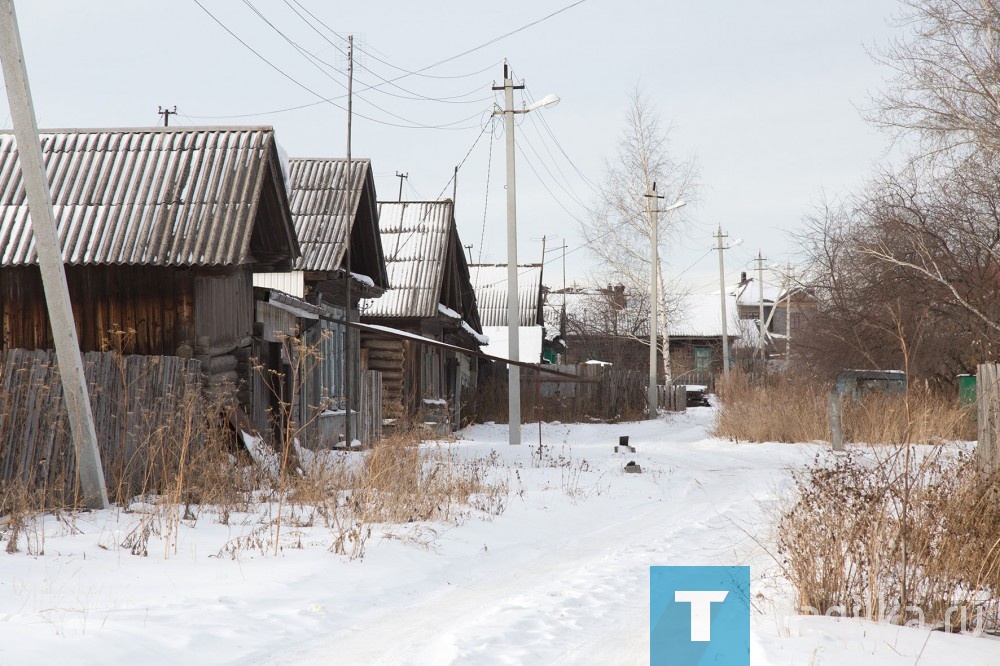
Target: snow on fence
988, 412
138, 402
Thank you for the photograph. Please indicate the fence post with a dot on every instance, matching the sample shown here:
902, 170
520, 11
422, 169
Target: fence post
836, 427
988, 411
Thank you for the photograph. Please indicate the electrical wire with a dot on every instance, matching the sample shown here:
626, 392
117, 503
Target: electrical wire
314, 60
456, 99
322, 98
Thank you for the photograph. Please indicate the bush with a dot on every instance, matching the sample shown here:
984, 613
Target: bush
794, 408
890, 535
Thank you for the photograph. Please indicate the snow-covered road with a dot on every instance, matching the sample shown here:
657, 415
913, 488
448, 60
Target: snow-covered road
560, 577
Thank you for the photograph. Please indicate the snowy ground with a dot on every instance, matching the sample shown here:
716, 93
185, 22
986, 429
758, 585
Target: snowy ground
561, 576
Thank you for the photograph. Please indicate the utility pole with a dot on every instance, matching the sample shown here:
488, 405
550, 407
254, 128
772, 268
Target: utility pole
788, 311
348, 226
166, 113
653, 206
401, 176
722, 299
760, 305
513, 320
60, 309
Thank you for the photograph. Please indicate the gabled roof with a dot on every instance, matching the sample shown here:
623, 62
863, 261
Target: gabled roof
318, 198
155, 196
425, 262
490, 284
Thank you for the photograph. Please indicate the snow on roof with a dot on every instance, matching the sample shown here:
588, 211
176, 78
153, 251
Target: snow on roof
700, 315
490, 284
529, 340
749, 293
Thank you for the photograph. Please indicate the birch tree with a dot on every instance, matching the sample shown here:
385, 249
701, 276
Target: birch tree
618, 231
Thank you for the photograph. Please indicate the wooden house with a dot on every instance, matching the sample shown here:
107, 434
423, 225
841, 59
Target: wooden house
162, 231
430, 295
326, 219
612, 325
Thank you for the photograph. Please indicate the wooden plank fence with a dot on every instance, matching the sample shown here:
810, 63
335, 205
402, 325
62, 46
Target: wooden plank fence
370, 408
139, 404
988, 413
672, 398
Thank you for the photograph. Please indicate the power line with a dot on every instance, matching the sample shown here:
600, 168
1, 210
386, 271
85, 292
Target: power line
313, 59
322, 98
418, 72
456, 99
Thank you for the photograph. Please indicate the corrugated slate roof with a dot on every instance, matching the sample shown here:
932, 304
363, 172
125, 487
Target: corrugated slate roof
319, 189
415, 239
161, 196
490, 283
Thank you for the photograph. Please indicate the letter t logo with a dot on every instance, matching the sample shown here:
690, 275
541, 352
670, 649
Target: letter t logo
701, 610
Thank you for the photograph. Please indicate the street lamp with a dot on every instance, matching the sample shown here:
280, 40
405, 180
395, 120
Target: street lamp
654, 305
513, 317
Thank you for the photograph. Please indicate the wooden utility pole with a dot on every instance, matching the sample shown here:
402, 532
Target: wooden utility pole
401, 176
166, 113
57, 300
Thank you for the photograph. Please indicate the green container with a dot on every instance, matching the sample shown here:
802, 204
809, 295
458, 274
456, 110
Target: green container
966, 390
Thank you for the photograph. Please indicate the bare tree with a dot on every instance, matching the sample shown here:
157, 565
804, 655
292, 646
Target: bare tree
618, 232
917, 253
946, 87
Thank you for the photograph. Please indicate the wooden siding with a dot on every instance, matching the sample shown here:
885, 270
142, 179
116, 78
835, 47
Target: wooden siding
156, 303
224, 306
386, 356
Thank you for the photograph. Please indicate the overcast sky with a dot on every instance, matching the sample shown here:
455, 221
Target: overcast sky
765, 95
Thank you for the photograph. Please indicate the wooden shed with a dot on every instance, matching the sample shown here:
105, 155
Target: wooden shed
162, 231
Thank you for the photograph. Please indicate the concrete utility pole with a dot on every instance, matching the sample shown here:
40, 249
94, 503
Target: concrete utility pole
722, 298
348, 212
513, 319
513, 309
653, 206
760, 305
36, 186
788, 311
166, 113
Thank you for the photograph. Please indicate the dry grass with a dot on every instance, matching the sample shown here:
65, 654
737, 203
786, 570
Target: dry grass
790, 408
893, 536
189, 467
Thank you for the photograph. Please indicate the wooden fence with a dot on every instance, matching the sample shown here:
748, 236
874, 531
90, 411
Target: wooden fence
672, 398
370, 408
988, 412
139, 403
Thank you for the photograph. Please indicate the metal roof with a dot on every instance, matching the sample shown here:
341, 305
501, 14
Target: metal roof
415, 237
319, 188
490, 283
161, 196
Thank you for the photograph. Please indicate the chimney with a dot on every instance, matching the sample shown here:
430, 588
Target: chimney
743, 278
